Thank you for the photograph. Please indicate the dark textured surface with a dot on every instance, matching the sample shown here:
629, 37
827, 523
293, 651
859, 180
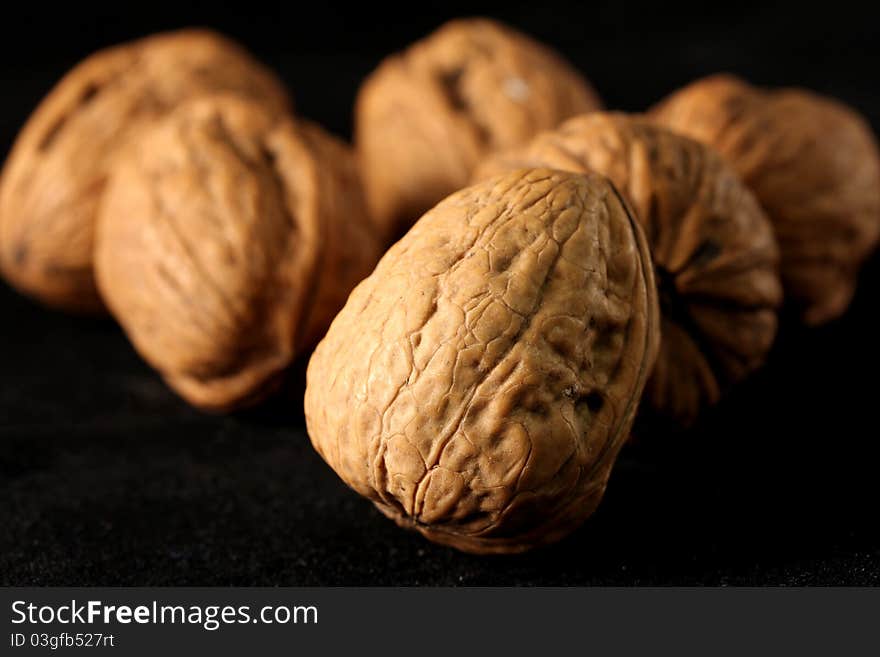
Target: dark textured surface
107, 478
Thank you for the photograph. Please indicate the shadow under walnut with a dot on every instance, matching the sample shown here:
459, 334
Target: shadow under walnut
54, 178
478, 385
228, 239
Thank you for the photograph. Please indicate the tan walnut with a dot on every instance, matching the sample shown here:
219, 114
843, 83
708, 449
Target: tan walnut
478, 385
715, 257
228, 239
813, 164
55, 174
426, 116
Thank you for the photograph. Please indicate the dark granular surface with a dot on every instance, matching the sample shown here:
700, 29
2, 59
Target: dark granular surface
107, 478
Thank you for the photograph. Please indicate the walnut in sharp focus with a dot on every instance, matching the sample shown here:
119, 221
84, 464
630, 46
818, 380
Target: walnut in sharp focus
478, 385
427, 115
55, 174
813, 164
715, 257
227, 240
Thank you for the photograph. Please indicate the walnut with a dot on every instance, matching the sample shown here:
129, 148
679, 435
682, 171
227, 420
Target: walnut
227, 239
813, 164
715, 257
478, 385
53, 180
427, 115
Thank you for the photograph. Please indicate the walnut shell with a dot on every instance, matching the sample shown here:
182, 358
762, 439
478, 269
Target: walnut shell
227, 240
813, 164
478, 385
715, 257
54, 178
428, 115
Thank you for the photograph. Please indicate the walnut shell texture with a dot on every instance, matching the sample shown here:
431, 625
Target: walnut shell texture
55, 174
228, 239
715, 256
813, 164
479, 384
428, 115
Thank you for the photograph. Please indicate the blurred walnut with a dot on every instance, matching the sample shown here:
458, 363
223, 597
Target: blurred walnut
426, 116
715, 257
479, 384
227, 240
54, 178
813, 164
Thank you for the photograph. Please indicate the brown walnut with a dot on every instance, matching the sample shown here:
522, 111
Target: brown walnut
813, 164
478, 385
228, 239
55, 174
715, 257
428, 115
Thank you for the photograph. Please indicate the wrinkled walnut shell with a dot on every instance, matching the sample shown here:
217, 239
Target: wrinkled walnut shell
54, 178
428, 115
813, 164
715, 257
478, 385
227, 240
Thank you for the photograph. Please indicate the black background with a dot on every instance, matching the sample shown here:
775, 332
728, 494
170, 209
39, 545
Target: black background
107, 478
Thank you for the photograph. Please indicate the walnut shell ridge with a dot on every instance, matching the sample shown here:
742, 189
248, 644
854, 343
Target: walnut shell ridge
716, 261
228, 239
813, 164
54, 178
426, 116
478, 385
